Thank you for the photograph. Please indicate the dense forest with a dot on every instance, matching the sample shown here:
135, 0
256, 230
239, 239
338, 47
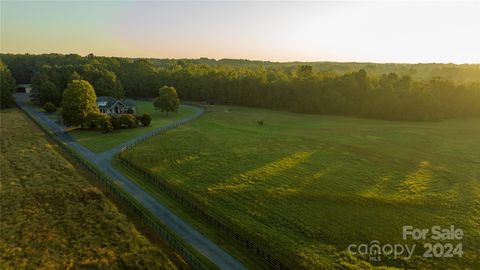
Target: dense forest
383, 91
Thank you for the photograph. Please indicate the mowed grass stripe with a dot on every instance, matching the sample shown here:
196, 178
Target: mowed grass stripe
310, 184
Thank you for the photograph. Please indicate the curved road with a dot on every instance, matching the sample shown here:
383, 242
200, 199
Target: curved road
104, 163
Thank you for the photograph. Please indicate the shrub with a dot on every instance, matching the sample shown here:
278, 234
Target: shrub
138, 119
127, 120
146, 119
49, 107
93, 120
116, 123
105, 123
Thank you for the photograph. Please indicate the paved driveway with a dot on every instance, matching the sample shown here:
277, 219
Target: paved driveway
104, 163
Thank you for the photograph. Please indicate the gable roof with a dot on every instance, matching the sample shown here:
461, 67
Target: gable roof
129, 102
109, 101
119, 102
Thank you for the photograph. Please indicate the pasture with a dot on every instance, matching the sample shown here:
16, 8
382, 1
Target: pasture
97, 141
52, 217
307, 186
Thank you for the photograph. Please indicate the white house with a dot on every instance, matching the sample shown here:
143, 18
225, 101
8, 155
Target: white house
111, 105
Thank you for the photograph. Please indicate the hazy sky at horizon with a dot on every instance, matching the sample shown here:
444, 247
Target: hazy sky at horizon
409, 32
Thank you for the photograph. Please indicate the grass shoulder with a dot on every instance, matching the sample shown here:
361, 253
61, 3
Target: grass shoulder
54, 217
233, 248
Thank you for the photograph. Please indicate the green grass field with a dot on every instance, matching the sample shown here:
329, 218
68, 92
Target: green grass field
99, 142
309, 185
52, 217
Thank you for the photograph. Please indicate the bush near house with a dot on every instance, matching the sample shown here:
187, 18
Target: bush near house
105, 123
116, 124
101, 142
93, 119
128, 120
108, 123
146, 119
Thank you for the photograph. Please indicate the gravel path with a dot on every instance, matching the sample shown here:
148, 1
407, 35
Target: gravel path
104, 163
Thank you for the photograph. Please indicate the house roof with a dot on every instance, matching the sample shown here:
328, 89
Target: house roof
129, 102
109, 101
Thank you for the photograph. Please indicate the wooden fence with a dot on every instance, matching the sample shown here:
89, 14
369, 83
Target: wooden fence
123, 198
184, 199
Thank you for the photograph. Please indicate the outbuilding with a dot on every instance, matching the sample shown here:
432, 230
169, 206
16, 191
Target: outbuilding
23, 88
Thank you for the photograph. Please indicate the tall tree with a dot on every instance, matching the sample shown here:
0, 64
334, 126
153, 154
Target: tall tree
78, 103
167, 100
38, 79
104, 81
304, 72
7, 87
48, 92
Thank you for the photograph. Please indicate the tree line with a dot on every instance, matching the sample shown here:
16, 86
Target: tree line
296, 87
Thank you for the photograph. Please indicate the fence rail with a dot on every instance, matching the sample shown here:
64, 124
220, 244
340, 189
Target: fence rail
123, 198
165, 128
186, 201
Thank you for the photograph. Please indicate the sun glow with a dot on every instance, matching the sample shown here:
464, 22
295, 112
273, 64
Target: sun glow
281, 31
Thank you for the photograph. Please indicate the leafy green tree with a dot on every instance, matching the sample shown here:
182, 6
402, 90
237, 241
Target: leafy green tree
167, 100
305, 72
146, 119
128, 120
38, 79
7, 87
93, 119
74, 76
116, 123
386, 91
104, 81
49, 107
48, 92
105, 123
78, 102
139, 78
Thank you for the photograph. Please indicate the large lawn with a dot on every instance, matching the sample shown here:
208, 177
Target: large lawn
53, 218
99, 142
310, 185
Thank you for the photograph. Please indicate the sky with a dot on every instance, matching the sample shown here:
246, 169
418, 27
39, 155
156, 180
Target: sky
404, 32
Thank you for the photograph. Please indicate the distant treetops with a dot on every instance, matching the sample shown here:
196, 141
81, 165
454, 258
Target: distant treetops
383, 91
